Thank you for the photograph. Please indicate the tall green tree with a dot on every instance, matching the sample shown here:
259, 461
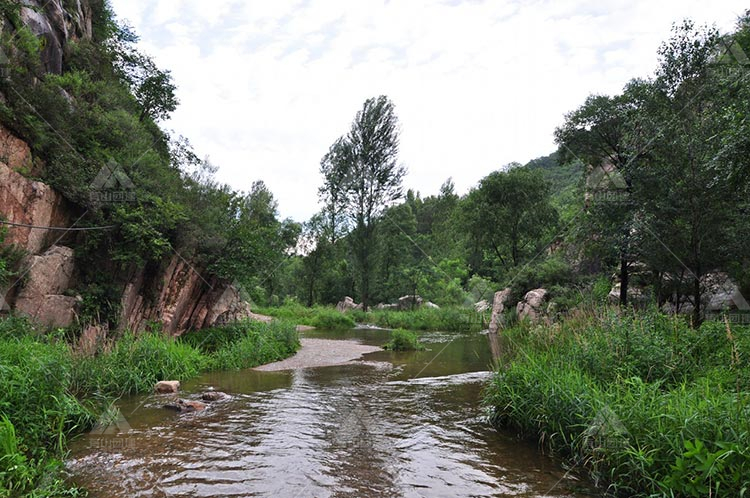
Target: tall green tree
366, 172
508, 215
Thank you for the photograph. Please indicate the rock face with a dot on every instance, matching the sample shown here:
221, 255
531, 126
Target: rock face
181, 299
25, 201
531, 307
498, 307
57, 25
177, 295
347, 304
49, 275
167, 386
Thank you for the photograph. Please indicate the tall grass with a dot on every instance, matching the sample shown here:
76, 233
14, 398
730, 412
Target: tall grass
49, 393
443, 319
403, 340
645, 404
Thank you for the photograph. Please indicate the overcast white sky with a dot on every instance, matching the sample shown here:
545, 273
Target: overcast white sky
267, 85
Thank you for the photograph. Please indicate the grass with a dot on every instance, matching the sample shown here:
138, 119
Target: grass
48, 393
443, 319
403, 340
644, 404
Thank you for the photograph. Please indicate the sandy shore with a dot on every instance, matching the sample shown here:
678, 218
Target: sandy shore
321, 353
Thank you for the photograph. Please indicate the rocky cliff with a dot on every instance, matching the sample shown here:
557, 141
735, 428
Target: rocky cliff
177, 293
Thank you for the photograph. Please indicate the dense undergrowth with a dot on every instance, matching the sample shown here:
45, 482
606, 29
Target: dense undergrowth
49, 393
403, 340
443, 319
643, 403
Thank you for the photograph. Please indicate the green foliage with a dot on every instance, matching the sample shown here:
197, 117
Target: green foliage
644, 403
443, 319
333, 320
403, 340
135, 363
253, 344
37, 411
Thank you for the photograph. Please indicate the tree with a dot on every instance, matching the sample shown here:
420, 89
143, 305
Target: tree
600, 133
509, 213
691, 208
362, 167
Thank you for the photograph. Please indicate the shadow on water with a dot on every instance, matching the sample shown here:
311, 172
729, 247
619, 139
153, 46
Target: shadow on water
395, 424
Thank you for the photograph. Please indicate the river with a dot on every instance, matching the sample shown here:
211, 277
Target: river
396, 424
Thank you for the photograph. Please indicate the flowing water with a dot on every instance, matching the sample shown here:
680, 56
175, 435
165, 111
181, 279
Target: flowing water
397, 424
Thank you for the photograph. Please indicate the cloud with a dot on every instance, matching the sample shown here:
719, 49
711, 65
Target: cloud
266, 87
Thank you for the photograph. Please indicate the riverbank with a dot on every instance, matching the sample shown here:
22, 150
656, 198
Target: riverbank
643, 403
49, 393
452, 319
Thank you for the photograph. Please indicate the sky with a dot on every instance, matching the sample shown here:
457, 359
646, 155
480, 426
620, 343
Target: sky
266, 86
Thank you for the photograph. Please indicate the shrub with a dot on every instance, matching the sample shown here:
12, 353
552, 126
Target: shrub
403, 340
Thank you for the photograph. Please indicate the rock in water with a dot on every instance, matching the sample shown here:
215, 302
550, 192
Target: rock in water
213, 396
167, 386
183, 406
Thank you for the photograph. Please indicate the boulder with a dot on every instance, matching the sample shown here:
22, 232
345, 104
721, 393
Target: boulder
48, 276
185, 406
481, 306
409, 302
383, 306
498, 308
431, 305
167, 386
532, 304
213, 396
347, 304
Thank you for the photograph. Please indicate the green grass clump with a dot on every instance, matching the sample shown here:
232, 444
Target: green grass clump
333, 320
253, 344
645, 404
443, 319
137, 362
403, 340
37, 412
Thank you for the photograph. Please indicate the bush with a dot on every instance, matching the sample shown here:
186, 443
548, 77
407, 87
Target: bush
403, 340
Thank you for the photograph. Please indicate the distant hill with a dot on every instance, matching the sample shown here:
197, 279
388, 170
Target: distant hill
564, 179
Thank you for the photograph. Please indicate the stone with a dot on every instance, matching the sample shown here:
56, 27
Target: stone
167, 386
431, 305
409, 302
48, 276
531, 306
185, 406
347, 304
213, 396
481, 306
498, 308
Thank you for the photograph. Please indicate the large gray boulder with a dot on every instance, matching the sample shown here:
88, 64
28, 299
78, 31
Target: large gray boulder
348, 304
409, 302
531, 307
498, 308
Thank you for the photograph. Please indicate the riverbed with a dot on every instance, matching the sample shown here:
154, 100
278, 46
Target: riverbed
405, 424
